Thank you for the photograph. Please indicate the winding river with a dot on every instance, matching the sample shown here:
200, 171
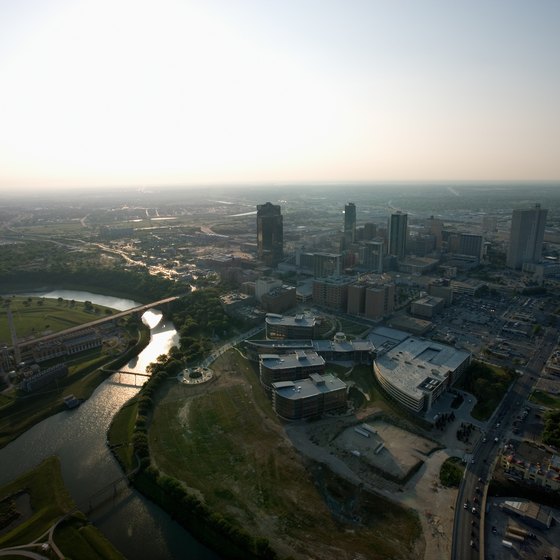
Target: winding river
138, 528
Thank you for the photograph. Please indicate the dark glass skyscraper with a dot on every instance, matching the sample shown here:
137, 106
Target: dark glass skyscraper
398, 233
350, 223
270, 233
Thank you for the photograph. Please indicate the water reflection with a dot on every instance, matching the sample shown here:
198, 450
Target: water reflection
78, 437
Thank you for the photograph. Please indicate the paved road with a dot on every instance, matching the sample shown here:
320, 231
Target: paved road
468, 529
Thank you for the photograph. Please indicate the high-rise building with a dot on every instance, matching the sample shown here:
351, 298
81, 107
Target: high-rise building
526, 236
350, 223
327, 264
398, 231
371, 256
471, 244
270, 233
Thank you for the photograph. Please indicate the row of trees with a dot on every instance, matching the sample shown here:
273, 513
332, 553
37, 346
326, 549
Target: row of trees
211, 527
551, 432
135, 284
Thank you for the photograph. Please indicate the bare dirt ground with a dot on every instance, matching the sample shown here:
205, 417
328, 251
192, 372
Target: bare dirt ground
332, 440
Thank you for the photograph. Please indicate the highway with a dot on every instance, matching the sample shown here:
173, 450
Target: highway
468, 528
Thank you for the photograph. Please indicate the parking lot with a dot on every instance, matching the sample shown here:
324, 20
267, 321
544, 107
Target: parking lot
531, 542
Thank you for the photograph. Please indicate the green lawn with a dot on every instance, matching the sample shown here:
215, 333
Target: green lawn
35, 316
488, 383
49, 502
545, 399
227, 444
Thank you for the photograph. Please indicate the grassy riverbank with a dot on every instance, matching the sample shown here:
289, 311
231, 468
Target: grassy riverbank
221, 447
48, 501
37, 316
19, 413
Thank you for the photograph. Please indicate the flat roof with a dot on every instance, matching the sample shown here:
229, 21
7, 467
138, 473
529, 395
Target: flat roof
295, 321
305, 388
317, 345
386, 337
299, 358
418, 365
429, 300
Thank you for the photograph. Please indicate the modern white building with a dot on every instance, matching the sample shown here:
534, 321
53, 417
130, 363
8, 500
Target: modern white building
416, 371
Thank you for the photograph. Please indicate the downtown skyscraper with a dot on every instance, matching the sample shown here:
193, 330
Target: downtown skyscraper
350, 223
270, 233
398, 234
526, 236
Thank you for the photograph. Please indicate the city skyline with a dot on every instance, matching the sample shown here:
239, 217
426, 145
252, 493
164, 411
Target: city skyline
123, 94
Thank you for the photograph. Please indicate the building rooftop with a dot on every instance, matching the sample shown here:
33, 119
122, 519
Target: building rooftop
429, 300
416, 365
294, 321
305, 388
300, 358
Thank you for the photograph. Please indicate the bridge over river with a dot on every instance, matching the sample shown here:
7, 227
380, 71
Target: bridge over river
139, 310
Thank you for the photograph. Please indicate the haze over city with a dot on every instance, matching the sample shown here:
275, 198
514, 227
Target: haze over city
97, 93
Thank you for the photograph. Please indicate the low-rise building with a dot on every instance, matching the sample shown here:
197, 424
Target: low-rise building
305, 398
427, 306
334, 351
298, 326
39, 379
289, 367
533, 465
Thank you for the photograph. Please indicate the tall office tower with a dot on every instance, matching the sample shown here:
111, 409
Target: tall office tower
398, 232
526, 236
270, 233
350, 223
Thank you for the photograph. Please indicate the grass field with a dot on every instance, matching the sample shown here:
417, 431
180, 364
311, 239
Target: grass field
34, 316
540, 397
226, 444
50, 501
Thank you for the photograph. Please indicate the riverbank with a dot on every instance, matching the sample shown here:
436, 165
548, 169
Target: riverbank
43, 501
19, 413
220, 448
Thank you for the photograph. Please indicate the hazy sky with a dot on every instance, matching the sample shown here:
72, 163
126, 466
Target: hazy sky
216, 91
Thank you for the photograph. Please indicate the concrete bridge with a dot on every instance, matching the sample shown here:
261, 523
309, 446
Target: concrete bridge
138, 310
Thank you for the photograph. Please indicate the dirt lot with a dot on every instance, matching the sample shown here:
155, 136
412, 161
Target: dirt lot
332, 440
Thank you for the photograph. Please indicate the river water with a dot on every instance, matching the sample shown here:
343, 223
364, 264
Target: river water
138, 528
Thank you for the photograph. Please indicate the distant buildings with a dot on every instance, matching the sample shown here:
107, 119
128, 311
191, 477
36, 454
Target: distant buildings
398, 233
526, 236
270, 233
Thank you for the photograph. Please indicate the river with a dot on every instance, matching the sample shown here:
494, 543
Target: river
137, 527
